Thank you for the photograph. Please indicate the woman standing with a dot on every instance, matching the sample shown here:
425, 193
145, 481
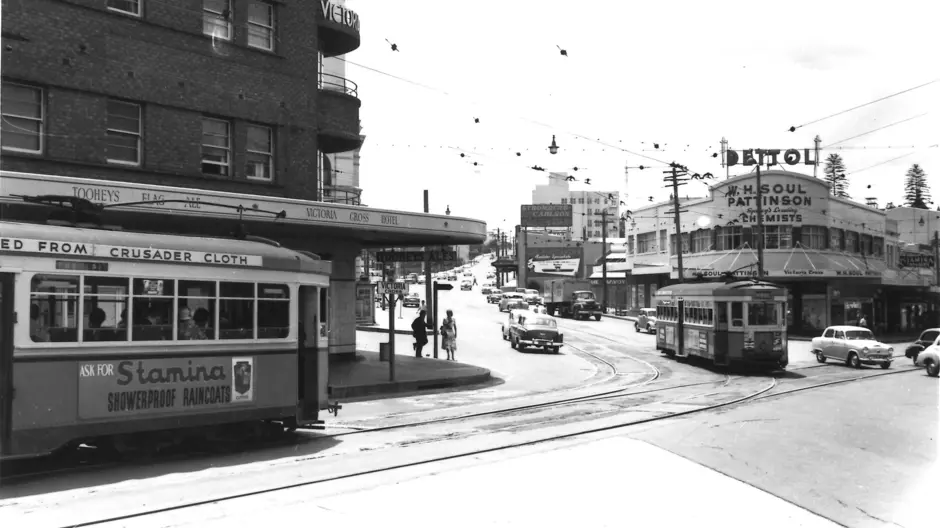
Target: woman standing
449, 331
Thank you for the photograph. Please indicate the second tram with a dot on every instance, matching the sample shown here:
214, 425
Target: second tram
742, 322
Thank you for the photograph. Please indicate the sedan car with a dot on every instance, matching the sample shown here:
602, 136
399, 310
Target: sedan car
466, 286
929, 358
508, 298
412, 300
531, 329
646, 320
494, 296
532, 296
853, 345
927, 337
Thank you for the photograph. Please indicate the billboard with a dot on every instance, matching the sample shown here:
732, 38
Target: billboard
553, 261
546, 215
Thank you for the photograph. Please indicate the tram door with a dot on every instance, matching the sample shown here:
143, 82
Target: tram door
721, 333
308, 372
6, 360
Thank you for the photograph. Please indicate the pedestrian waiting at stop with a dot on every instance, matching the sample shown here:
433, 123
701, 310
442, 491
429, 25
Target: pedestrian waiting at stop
449, 331
420, 332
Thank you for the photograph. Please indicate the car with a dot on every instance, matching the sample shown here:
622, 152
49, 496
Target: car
412, 300
646, 320
927, 337
451, 277
421, 279
494, 296
531, 329
466, 286
510, 297
468, 274
853, 345
532, 296
929, 358
490, 275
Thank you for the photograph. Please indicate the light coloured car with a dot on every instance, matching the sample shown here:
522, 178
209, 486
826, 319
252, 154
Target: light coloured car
929, 358
510, 297
466, 286
853, 345
532, 296
494, 296
646, 320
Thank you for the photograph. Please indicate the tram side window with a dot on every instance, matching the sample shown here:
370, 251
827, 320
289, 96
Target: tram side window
53, 310
196, 310
236, 310
152, 309
273, 311
737, 314
762, 313
105, 308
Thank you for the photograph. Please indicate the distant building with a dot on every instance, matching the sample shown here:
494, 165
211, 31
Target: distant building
587, 208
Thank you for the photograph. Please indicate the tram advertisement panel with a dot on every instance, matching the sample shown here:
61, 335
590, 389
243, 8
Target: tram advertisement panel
124, 387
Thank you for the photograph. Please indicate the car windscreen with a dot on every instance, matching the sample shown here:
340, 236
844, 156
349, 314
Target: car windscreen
542, 321
858, 335
531, 292
585, 295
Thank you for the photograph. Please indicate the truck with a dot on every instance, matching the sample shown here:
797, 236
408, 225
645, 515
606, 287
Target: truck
570, 298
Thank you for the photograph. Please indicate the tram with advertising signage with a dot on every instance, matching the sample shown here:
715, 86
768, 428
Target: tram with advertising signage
741, 322
124, 339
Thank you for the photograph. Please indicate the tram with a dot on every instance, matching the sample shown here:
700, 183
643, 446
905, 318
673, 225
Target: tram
121, 338
742, 322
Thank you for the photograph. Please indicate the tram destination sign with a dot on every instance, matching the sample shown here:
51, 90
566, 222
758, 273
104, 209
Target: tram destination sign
150, 254
546, 215
124, 387
436, 255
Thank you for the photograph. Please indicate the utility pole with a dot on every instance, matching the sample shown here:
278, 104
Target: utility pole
604, 256
678, 175
760, 221
428, 286
499, 273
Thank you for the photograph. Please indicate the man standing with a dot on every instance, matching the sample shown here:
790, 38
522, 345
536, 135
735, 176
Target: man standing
420, 332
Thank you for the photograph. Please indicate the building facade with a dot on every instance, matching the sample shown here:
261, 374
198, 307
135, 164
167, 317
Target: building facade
202, 117
587, 208
839, 259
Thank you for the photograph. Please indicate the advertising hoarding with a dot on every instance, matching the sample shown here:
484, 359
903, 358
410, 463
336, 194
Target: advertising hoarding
546, 215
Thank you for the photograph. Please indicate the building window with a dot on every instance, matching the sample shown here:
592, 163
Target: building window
216, 147
730, 238
778, 237
851, 241
835, 239
813, 237
597, 201
701, 241
130, 7
662, 241
891, 259
646, 242
260, 153
865, 245
630, 245
564, 201
878, 246
581, 201
124, 132
216, 18
685, 243
22, 118
261, 25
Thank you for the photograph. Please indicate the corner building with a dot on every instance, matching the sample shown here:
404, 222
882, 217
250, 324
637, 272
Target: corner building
839, 259
213, 116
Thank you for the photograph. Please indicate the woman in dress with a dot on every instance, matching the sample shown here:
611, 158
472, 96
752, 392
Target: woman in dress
449, 331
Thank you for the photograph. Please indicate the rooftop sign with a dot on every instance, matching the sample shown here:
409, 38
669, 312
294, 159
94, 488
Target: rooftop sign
546, 215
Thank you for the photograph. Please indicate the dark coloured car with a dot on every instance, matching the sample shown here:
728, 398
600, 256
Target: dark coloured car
927, 337
535, 330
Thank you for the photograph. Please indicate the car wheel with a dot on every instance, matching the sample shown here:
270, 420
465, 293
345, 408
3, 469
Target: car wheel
636, 326
597, 317
933, 369
650, 329
504, 337
556, 350
886, 365
820, 357
854, 362
512, 342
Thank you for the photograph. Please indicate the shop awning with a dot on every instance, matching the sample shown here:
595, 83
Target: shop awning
795, 263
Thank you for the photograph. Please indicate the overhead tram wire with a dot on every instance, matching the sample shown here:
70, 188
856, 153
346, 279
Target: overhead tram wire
794, 128
875, 130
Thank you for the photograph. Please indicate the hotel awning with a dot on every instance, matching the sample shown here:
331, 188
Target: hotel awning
157, 208
795, 263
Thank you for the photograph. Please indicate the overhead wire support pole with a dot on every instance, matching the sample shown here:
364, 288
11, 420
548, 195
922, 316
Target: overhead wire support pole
676, 173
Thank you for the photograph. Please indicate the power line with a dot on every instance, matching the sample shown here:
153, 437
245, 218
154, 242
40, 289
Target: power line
877, 129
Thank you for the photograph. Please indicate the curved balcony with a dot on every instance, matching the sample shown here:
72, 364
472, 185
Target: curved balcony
338, 28
341, 195
337, 114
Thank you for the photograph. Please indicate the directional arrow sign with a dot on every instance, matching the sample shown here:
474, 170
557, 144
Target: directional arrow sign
439, 287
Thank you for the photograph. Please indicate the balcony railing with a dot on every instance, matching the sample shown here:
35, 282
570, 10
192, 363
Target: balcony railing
341, 196
335, 83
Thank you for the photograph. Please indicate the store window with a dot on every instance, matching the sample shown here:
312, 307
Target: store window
813, 237
730, 238
814, 311
778, 237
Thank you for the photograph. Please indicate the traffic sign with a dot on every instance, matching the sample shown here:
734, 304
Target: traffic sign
436, 255
439, 287
399, 288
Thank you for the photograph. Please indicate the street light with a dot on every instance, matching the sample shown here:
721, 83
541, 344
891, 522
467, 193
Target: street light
553, 148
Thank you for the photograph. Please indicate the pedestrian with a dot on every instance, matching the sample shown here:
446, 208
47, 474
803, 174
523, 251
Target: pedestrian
449, 331
420, 332
863, 322
423, 307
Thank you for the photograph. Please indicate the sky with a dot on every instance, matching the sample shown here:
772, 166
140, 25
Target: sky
682, 74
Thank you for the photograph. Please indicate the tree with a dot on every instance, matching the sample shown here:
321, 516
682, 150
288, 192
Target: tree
916, 190
835, 175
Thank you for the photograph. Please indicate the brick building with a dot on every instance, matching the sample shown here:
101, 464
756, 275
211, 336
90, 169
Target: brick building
211, 117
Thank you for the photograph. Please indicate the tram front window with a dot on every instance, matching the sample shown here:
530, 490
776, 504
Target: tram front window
763, 313
737, 314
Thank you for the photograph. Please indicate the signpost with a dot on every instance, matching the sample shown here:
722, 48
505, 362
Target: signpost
433, 255
437, 288
394, 291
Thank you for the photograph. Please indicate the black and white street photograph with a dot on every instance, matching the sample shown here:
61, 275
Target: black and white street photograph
436, 264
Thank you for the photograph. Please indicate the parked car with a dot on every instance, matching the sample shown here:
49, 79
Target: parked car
646, 320
490, 275
451, 277
531, 329
532, 296
510, 297
466, 286
854, 345
494, 296
929, 358
421, 279
412, 300
927, 337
